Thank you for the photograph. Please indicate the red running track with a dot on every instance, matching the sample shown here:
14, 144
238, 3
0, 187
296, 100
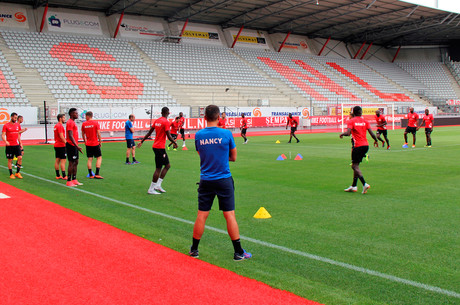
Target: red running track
52, 255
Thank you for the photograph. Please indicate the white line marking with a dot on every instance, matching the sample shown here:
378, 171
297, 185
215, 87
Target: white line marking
3, 196
326, 260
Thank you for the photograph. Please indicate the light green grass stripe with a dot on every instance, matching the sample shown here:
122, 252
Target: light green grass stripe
273, 246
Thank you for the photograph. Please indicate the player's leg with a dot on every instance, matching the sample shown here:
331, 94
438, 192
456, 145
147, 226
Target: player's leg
98, 167
128, 153
378, 134
385, 135
62, 164
405, 137
19, 164
413, 138
56, 168
293, 134
90, 166
10, 167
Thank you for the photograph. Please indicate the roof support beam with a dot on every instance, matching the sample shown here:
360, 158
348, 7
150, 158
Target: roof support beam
322, 49
237, 36
362, 46
367, 49
284, 41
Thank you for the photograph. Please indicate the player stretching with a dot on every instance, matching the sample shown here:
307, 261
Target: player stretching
216, 148
72, 148
161, 127
59, 147
93, 141
294, 123
357, 127
222, 120
244, 128
429, 123
382, 128
174, 128
131, 146
181, 127
13, 144
412, 120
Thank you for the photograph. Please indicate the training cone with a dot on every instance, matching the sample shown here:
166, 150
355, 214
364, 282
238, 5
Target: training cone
184, 148
15, 159
277, 142
283, 156
298, 157
262, 213
280, 158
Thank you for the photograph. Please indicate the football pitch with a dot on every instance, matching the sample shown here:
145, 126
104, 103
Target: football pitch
397, 244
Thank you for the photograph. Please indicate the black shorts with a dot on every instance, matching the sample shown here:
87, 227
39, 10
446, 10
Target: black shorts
93, 151
72, 152
411, 130
224, 189
13, 151
293, 129
174, 136
182, 132
161, 157
358, 153
60, 152
382, 131
130, 143
243, 131
428, 131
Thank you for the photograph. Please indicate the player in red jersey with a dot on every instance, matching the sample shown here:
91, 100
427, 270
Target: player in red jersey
182, 127
222, 120
429, 122
174, 128
72, 148
294, 123
13, 144
59, 147
382, 128
20, 121
244, 128
161, 127
412, 121
357, 127
92, 137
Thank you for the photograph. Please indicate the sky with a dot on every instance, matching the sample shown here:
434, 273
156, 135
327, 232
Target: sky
445, 5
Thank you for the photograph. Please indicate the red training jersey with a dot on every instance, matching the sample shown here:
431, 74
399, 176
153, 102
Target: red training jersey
412, 119
90, 128
293, 122
12, 133
161, 125
222, 123
359, 127
181, 123
428, 119
380, 120
174, 127
71, 126
58, 128
244, 123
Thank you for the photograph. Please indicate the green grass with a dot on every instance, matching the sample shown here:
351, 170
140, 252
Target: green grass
408, 225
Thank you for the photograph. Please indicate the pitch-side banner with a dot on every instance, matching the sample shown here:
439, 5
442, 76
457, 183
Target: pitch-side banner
73, 23
267, 111
337, 120
13, 17
29, 114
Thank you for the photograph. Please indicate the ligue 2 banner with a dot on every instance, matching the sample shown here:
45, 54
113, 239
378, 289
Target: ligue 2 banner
13, 17
73, 23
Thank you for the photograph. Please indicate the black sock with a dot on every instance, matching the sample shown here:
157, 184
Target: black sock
97, 170
127, 160
57, 173
63, 173
18, 168
69, 178
90, 171
195, 243
11, 171
74, 177
134, 159
237, 246
355, 181
362, 180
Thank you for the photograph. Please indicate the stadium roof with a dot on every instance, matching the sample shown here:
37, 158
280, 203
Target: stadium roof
383, 22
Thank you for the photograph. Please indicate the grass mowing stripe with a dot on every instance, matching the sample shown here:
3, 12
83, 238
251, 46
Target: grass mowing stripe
270, 245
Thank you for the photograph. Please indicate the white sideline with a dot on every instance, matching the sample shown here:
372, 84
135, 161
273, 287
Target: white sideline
270, 245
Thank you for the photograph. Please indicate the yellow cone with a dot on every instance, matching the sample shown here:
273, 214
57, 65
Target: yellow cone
15, 159
262, 213
277, 142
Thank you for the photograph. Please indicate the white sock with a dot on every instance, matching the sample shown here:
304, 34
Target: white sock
159, 182
152, 186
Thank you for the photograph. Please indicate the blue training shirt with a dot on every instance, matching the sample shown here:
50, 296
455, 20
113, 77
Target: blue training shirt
128, 133
214, 145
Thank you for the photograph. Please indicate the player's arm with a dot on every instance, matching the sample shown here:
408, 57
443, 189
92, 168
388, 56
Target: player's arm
287, 123
147, 135
232, 155
346, 133
20, 141
168, 134
62, 136
99, 137
72, 139
373, 136
83, 135
420, 125
4, 139
22, 130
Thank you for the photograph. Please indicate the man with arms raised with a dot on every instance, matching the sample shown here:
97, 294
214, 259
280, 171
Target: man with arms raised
161, 127
412, 121
357, 128
92, 137
216, 148
72, 148
13, 144
59, 147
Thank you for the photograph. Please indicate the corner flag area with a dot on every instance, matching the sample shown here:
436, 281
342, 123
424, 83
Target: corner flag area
52, 255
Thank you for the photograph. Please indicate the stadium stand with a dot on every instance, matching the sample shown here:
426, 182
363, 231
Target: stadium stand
11, 92
114, 71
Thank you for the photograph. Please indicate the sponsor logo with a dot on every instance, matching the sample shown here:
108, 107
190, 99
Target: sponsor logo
4, 116
303, 44
20, 17
257, 112
305, 113
53, 21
